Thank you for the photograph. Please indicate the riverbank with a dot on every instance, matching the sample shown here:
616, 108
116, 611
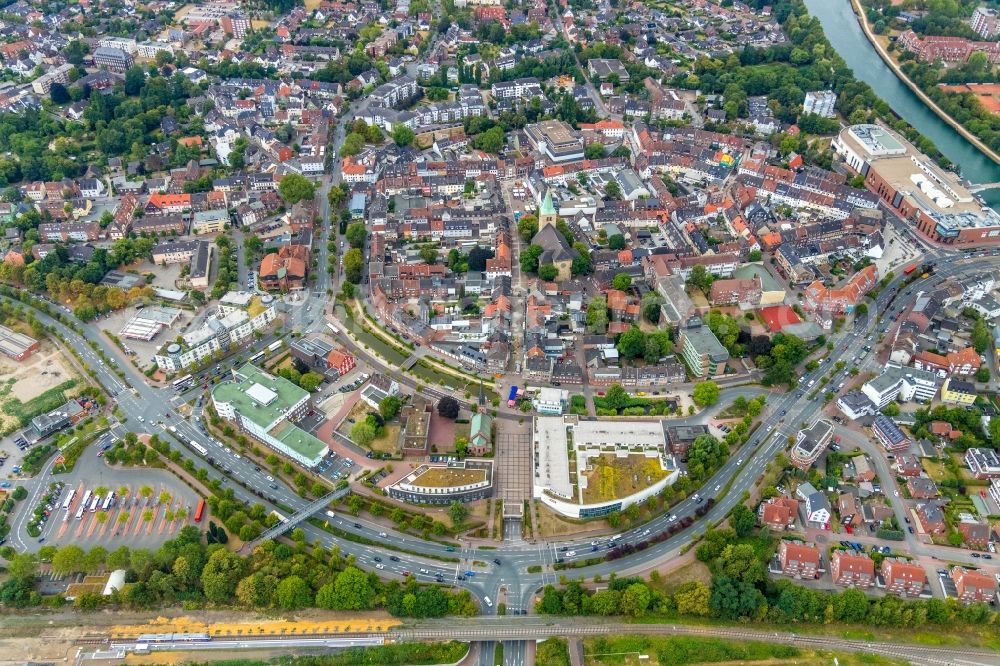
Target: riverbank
859, 12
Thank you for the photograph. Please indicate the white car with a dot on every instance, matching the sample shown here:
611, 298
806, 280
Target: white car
570, 553
380, 566
383, 534
142, 419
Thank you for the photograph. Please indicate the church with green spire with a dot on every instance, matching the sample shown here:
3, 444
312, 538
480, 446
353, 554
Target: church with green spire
547, 213
556, 250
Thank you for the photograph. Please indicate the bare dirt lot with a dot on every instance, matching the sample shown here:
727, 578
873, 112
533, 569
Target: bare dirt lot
38, 373
24, 381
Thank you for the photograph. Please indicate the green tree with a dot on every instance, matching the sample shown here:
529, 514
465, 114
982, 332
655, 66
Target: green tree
743, 520
595, 151
356, 234
353, 590
635, 600
981, 337
310, 381
389, 407
68, 559
295, 187
616, 242
527, 227
597, 315
548, 272
353, 265
616, 398
632, 343
254, 591
490, 141
983, 374
705, 393
293, 593
457, 512
363, 433
402, 135
529, 258
622, 282
221, 575
692, 598
613, 190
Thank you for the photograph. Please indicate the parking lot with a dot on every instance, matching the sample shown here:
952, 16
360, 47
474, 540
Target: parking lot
335, 467
139, 508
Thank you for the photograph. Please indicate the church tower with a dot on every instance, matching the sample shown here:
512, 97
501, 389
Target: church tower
547, 213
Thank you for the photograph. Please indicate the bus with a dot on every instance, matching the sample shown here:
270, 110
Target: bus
909, 269
275, 346
86, 499
256, 357
95, 502
336, 331
109, 501
199, 448
69, 499
199, 511
79, 511
183, 382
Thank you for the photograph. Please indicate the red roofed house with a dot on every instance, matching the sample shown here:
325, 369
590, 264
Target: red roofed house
903, 577
285, 269
972, 586
778, 513
975, 535
820, 298
340, 361
850, 569
160, 204
798, 560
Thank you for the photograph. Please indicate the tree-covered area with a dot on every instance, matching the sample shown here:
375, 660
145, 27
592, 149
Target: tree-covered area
41, 146
741, 591
276, 575
76, 284
947, 18
785, 72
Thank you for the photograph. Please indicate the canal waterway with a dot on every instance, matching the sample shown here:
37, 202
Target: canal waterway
842, 29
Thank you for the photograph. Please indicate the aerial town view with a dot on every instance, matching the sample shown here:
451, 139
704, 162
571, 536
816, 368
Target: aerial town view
500, 332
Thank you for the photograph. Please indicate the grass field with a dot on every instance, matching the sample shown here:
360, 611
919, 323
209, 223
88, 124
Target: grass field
614, 478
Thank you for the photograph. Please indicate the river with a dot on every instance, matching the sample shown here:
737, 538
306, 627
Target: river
842, 29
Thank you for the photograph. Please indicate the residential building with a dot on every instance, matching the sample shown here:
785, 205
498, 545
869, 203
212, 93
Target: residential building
983, 463
984, 22
820, 102
958, 392
889, 435
798, 560
745, 292
68, 414
855, 405
931, 518
228, 326
839, 300
898, 382
850, 569
340, 361
209, 221
266, 407
973, 586
811, 443
704, 354
974, 533
285, 269
680, 437
815, 506
60, 74
922, 488
778, 513
113, 59
902, 577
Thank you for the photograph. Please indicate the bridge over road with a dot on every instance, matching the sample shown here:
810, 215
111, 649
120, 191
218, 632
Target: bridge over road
295, 519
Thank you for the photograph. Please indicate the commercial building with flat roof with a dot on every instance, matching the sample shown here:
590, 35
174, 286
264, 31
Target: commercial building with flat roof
935, 201
267, 407
705, 355
556, 140
554, 436
17, 346
462, 481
